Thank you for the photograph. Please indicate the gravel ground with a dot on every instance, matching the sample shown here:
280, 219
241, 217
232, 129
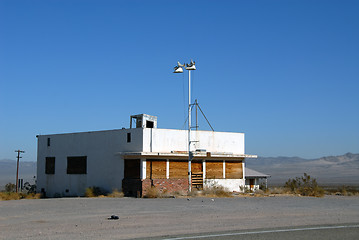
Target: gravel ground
86, 218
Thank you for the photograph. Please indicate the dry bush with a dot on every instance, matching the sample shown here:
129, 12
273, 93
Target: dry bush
305, 186
180, 193
216, 191
33, 196
342, 190
94, 192
278, 190
10, 187
10, 196
116, 194
153, 192
17, 196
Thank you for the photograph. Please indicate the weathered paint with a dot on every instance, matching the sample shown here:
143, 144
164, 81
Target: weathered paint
105, 165
232, 185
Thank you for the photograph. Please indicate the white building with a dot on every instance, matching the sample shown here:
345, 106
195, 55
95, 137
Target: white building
135, 159
253, 179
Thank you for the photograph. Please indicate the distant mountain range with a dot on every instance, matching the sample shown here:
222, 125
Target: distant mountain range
332, 170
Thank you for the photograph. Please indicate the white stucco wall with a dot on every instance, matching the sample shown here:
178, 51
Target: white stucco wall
104, 166
232, 185
167, 140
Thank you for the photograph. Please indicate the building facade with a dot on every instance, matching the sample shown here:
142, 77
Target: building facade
136, 159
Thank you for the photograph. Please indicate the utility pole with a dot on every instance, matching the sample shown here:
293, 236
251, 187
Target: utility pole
17, 168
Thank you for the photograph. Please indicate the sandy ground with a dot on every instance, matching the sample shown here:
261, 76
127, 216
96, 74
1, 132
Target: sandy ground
86, 218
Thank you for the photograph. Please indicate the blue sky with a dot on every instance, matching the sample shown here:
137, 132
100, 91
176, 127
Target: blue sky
284, 72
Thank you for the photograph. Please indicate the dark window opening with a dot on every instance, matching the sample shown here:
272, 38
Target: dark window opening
77, 165
128, 137
132, 168
48, 142
149, 124
50, 165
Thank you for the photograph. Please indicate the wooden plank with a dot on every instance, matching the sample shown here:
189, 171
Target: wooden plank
155, 169
234, 170
214, 169
178, 169
196, 167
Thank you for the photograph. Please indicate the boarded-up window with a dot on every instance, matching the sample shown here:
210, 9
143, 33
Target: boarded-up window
155, 169
234, 170
50, 165
132, 168
77, 165
178, 169
196, 166
214, 169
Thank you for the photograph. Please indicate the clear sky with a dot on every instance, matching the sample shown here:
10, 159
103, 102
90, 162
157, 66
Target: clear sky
284, 72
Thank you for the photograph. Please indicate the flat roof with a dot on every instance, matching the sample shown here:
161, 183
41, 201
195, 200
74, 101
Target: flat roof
184, 155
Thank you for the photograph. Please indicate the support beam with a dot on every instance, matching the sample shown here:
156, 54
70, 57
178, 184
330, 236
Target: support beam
167, 168
204, 169
143, 168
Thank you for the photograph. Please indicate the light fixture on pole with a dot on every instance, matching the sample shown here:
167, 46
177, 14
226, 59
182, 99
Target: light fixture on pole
179, 69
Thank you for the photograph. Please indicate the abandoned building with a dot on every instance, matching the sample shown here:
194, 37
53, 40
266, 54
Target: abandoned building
253, 179
134, 159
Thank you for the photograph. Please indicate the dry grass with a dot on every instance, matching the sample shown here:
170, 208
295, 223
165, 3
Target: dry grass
95, 192
116, 194
342, 190
214, 191
153, 192
17, 196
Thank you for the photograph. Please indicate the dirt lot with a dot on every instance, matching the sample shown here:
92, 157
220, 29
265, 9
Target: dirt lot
86, 218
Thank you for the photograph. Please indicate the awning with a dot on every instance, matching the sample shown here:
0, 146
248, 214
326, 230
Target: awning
250, 173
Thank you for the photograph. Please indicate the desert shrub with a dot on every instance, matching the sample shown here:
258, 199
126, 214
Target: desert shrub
278, 190
153, 192
10, 187
116, 194
305, 186
216, 191
342, 190
10, 196
17, 196
94, 192
33, 196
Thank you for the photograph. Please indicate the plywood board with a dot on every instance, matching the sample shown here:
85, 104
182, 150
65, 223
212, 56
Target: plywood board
214, 169
196, 167
155, 169
234, 170
178, 169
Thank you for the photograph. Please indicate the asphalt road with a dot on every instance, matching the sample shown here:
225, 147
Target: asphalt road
335, 232
87, 218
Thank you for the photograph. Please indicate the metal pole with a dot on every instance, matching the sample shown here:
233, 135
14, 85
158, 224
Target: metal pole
196, 103
17, 169
189, 133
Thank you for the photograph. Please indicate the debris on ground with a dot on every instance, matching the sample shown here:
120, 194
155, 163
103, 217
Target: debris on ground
113, 217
